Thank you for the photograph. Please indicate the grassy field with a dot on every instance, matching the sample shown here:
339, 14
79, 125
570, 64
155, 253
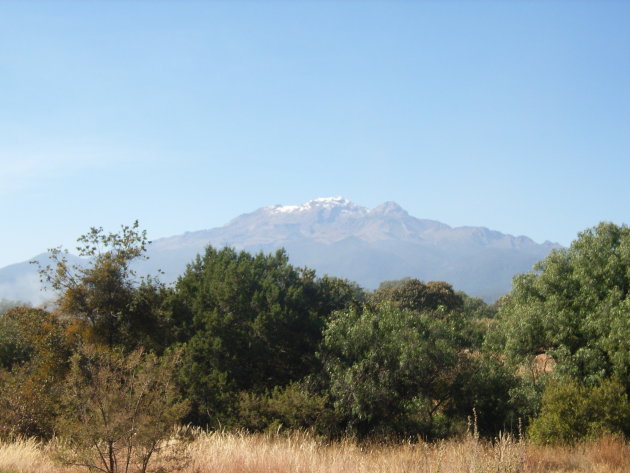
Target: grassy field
242, 453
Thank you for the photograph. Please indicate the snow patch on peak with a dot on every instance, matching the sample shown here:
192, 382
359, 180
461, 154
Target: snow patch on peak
318, 203
338, 200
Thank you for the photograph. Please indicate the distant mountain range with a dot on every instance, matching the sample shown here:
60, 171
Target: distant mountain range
337, 237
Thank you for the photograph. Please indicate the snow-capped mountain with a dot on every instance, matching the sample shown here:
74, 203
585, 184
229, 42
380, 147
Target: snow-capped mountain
338, 237
332, 219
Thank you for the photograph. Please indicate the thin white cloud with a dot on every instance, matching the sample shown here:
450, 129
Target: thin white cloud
18, 172
21, 170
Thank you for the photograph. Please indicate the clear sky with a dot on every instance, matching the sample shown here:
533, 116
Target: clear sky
182, 114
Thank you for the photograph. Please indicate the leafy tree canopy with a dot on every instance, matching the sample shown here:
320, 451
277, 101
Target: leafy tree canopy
252, 322
414, 294
575, 307
401, 372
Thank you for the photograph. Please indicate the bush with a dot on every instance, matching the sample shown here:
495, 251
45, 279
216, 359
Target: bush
28, 403
571, 413
291, 407
34, 349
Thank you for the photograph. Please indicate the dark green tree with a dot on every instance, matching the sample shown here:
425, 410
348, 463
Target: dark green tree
14, 348
252, 322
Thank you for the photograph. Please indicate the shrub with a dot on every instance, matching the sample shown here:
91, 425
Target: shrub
571, 412
28, 402
291, 407
34, 349
117, 410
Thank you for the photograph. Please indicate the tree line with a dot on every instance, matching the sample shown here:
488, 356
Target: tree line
248, 341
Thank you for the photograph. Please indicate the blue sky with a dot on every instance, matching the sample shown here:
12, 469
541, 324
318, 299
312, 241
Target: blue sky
182, 114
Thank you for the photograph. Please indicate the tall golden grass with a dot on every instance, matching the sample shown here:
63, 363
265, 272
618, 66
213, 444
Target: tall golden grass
217, 452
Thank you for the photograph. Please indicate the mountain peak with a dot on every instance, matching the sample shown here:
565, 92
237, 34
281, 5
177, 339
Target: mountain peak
389, 208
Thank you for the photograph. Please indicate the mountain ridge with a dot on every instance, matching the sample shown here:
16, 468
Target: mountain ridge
386, 221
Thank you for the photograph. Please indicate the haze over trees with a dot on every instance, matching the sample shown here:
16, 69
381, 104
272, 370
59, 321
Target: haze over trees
249, 341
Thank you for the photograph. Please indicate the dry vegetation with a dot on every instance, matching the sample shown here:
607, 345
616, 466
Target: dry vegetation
243, 453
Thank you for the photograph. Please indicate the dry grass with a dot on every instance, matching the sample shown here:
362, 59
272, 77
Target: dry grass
298, 453
26, 456
606, 455
227, 453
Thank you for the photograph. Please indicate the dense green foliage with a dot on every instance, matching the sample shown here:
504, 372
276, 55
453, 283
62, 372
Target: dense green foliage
266, 346
413, 294
573, 309
293, 407
254, 323
33, 370
571, 412
397, 371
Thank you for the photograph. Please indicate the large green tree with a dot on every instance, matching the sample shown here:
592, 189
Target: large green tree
396, 371
565, 328
250, 323
575, 307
